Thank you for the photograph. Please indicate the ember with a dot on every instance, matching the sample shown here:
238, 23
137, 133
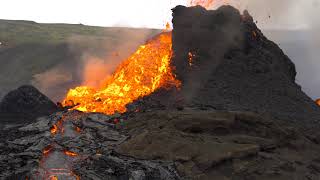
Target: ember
70, 153
254, 34
47, 150
190, 58
78, 129
53, 178
54, 129
168, 27
147, 70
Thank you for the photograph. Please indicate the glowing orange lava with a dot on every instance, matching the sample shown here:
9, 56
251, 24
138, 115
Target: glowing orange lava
203, 3
78, 129
70, 153
54, 129
53, 178
168, 27
190, 58
46, 150
142, 73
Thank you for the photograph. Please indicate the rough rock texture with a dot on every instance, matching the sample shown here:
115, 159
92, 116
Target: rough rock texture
25, 104
235, 67
187, 144
34, 152
222, 145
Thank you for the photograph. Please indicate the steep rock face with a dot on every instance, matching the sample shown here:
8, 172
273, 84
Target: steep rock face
226, 63
24, 104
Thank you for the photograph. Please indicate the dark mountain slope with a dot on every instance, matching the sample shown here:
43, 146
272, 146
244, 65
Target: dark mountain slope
235, 67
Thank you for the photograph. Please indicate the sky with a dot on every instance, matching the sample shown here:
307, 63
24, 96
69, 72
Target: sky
138, 13
149, 13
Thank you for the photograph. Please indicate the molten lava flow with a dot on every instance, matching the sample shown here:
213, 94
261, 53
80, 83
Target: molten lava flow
212, 4
70, 153
203, 3
142, 73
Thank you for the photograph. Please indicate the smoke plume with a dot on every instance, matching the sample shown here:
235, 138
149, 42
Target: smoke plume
294, 25
92, 60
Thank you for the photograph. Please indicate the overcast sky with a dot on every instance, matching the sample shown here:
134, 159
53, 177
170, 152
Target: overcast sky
149, 13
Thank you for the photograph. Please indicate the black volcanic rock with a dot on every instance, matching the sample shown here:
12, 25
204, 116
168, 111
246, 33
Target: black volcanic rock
24, 104
235, 67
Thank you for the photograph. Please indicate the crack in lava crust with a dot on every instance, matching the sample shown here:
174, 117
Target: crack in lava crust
56, 162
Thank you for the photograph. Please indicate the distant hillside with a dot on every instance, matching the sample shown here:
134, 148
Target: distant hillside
55, 54
28, 49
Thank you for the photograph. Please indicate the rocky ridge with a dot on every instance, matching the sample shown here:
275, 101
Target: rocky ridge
234, 67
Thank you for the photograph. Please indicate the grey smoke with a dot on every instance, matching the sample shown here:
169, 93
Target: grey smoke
97, 56
295, 26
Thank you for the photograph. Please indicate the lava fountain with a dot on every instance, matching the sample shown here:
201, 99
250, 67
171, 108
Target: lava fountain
145, 71
203, 3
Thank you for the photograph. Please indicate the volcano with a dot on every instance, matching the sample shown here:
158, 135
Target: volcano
213, 99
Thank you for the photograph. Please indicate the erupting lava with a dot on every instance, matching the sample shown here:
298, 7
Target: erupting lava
142, 73
203, 3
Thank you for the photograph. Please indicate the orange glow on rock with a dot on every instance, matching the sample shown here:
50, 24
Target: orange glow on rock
47, 150
78, 129
145, 71
70, 153
54, 129
190, 58
53, 178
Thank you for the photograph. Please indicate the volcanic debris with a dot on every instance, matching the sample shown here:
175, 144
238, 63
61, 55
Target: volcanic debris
24, 105
239, 115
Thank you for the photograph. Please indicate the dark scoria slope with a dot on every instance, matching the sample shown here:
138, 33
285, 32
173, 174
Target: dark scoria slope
25, 105
235, 67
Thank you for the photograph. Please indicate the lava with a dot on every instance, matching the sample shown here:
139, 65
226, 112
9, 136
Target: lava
54, 129
203, 3
168, 27
70, 153
145, 71
78, 129
54, 163
47, 150
190, 58
53, 178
